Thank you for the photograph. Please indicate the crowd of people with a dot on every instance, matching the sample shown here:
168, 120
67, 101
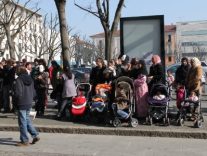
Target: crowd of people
14, 76
188, 75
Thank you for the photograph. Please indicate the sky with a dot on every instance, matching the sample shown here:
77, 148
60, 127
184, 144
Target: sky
86, 24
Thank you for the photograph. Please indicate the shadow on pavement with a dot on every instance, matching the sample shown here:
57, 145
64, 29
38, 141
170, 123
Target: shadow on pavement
8, 141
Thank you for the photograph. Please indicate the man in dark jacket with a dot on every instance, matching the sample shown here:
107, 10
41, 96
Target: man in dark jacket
24, 94
182, 71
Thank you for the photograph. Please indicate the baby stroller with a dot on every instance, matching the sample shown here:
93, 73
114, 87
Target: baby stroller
124, 84
99, 103
190, 110
80, 102
158, 108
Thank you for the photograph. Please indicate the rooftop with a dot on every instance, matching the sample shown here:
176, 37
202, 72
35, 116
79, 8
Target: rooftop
168, 28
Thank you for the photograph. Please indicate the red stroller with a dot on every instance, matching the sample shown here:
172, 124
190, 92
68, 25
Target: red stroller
80, 102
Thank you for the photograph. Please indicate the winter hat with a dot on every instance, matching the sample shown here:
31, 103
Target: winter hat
196, 61
125, 59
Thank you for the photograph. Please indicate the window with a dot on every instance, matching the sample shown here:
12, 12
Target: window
30, 25
169, 59
35, 27
7, 56
100, 44
40, 40
30, 37
25, 36
25, 47
20, 47
30, 47
169, 38
40, 29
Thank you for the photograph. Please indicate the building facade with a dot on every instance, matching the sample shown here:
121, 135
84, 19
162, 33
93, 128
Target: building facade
192, 39
170, 43
99, 41
29, 37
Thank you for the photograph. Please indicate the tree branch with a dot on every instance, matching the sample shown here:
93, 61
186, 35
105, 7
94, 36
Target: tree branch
87, 10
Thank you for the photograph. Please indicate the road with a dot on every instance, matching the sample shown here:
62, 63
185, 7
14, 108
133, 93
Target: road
99, 145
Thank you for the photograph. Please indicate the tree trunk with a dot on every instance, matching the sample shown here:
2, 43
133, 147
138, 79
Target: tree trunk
108, 39
10, 42
50, 57
60, 4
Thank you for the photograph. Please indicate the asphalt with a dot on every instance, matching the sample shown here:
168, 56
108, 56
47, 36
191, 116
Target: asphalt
49, 124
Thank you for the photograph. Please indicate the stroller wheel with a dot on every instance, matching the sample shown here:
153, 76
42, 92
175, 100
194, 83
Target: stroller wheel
134, 122
166, 121
116, 122
181, 122
147, 120
150, 121
198, 124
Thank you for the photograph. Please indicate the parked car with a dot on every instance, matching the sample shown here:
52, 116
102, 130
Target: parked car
85, 69
174, 67
204, 66
81, 74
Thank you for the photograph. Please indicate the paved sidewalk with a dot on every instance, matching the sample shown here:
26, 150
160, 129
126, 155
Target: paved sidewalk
60, 144
8, 122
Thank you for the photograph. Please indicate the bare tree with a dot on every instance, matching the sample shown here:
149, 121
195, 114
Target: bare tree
178, 52
199, 51
85, 51
48, 42
60, 4
2, 36
12, 20
102, 12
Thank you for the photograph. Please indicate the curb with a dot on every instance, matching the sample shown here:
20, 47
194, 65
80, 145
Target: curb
116, 131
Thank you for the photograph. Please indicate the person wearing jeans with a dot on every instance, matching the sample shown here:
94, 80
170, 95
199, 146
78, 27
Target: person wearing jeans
24, 93
25, 125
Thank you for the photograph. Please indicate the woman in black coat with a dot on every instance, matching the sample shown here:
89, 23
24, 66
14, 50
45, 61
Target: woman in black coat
182, 71
97, 76
156, 74
141, 69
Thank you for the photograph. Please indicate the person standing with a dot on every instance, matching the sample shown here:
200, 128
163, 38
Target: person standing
156, 74
180, 80
96, 75
28, 66
141, 89
8, 80
24, 93
181, 72
69, 89
41, 88
193, 78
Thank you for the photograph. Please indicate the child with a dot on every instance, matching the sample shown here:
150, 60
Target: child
101, 89
170, 77
121, 103
159, 96
193, 98
180, 95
